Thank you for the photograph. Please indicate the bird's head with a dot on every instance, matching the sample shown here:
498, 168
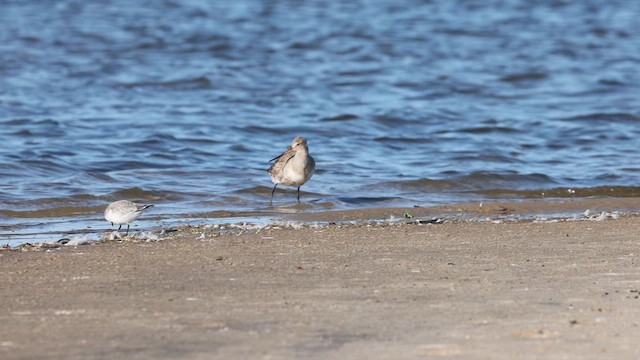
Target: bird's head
298, 141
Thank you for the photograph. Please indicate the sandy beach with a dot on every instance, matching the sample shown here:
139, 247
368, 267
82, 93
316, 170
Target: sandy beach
557, 289
320, 179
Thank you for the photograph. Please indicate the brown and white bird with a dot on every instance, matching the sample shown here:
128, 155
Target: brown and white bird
293, 167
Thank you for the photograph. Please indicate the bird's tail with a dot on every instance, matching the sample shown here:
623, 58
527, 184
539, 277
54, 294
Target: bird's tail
143, 207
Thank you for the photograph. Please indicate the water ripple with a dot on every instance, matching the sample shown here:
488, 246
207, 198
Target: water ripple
183, 103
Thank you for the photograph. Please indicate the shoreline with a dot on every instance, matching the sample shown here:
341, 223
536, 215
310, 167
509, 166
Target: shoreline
572, 209
463, 289
493, 209
485, 209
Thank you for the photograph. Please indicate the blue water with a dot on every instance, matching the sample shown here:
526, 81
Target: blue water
182, 104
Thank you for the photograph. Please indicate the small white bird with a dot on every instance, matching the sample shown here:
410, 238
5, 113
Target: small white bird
293, 167
124, 212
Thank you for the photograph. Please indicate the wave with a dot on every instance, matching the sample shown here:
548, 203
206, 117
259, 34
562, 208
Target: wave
138, 194
488, 130
84, 204
342, 117
527, 76
607, 117
54, 212
200, 82
520, 186
475, 181
563, 192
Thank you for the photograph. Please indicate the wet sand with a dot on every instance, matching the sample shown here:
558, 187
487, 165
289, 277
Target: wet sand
477, 290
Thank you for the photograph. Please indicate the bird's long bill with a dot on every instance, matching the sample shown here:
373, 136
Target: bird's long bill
281, 155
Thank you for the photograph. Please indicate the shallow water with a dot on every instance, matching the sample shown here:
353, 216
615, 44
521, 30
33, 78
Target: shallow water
181, 104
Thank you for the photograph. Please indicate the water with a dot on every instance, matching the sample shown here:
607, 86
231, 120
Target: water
182, 104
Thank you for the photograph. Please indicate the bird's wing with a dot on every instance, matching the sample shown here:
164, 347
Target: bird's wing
284, 152
142, 207
281, 160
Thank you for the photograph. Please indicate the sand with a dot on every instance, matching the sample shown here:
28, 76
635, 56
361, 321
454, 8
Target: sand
460, 290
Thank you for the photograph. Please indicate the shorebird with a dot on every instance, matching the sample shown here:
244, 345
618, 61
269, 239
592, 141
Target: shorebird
293, 167
124, 212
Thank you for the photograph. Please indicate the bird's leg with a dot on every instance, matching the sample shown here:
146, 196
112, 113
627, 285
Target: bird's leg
119, 227
272, 191
298, 193
127, 233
